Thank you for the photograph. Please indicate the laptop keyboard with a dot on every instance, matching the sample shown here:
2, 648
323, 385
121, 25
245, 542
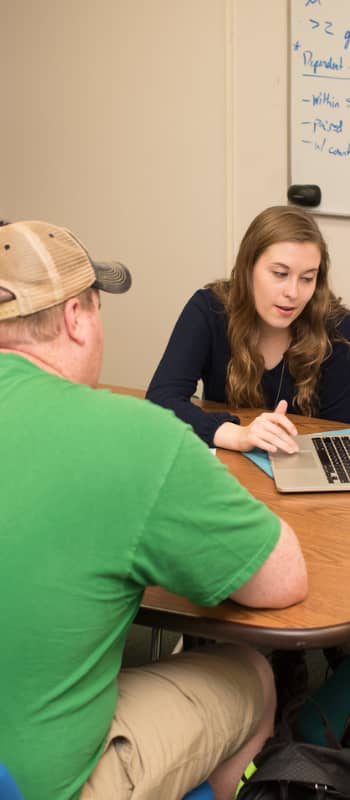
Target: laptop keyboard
334, 455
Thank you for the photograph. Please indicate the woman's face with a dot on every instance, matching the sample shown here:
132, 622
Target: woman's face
284, 280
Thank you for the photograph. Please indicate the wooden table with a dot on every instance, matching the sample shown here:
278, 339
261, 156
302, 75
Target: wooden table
322, 523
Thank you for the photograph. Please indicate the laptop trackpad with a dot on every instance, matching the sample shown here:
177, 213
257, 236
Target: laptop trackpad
297, 461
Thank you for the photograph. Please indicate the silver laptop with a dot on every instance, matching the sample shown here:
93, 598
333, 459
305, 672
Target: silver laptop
321, 465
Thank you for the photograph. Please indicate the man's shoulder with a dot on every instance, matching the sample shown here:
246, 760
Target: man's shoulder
81, 408
136, 416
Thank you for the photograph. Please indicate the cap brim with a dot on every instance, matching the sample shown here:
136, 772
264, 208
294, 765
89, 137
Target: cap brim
111, 277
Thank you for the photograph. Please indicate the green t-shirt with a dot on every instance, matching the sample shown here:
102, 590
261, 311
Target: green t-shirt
101, 495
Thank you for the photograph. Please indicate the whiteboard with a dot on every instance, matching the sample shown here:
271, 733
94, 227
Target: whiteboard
319, 129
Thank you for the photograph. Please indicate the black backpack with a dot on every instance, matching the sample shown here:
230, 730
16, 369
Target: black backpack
288, 769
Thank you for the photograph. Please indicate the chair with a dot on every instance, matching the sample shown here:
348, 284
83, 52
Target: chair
8, 787
156, 644
202, 792
10, 791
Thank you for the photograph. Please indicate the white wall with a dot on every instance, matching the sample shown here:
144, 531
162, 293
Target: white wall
113, 124
156, 130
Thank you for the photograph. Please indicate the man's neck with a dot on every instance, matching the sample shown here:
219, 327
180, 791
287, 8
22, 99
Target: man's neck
39, 362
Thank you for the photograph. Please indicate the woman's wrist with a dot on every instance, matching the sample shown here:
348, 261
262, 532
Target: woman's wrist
230, 436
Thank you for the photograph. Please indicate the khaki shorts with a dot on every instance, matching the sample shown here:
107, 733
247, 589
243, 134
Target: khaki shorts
176, 720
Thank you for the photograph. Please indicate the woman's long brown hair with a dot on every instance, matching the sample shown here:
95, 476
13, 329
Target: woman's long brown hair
312, 332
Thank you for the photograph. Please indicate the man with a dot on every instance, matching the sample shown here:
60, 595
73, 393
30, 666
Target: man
102, 495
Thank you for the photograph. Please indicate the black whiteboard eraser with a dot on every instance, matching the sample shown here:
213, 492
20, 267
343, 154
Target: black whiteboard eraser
307, 194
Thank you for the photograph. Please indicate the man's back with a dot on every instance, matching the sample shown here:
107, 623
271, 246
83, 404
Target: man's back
62, 626
101, 496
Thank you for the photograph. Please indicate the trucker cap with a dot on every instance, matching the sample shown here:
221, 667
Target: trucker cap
42, 265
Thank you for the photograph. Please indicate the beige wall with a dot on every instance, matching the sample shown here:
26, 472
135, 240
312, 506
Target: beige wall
155, 129
114, 115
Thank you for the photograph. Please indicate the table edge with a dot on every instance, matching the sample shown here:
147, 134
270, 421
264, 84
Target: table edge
231, 631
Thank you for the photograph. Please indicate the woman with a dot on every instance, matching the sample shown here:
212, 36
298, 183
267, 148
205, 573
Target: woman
272, 336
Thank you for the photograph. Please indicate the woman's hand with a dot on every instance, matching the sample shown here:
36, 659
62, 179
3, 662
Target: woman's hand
271, 431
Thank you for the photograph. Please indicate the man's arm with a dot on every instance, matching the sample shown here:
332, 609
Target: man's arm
282, 580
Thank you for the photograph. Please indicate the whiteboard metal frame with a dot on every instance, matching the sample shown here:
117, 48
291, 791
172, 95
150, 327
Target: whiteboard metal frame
291, 179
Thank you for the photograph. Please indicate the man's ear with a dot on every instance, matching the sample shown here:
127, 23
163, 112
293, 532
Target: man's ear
75, 320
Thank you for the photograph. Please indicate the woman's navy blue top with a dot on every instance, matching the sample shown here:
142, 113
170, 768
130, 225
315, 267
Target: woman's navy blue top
198, 349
